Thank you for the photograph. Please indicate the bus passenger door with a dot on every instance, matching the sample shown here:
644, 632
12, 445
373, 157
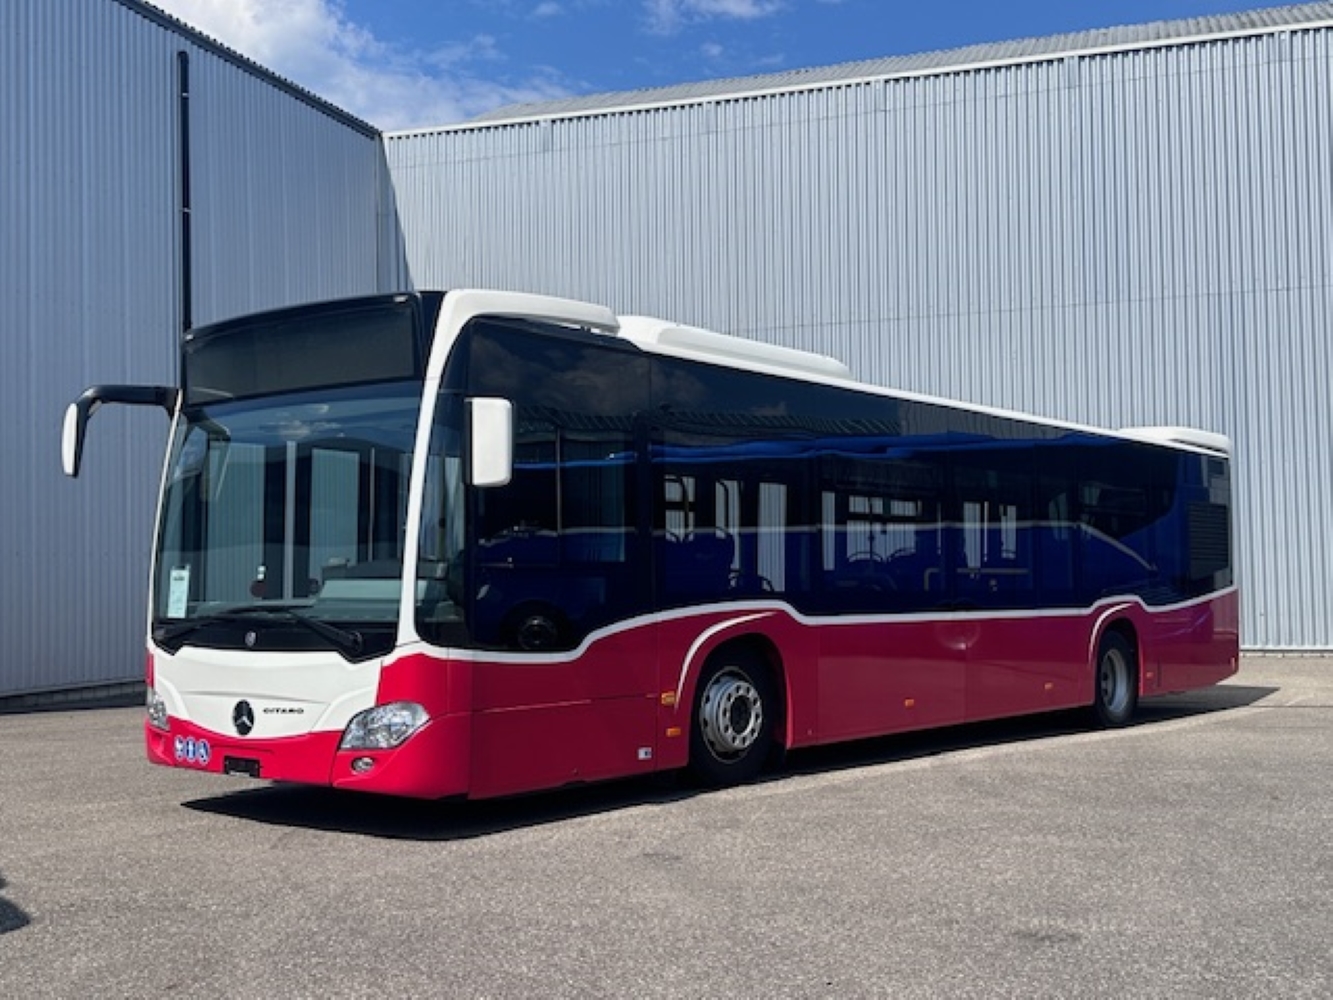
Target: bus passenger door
889, 659
1013, 555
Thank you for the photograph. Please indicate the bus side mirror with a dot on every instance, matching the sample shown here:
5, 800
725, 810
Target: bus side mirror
491, 441
78, 412
71, 437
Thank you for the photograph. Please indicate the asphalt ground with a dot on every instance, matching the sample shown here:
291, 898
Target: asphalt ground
1190, 855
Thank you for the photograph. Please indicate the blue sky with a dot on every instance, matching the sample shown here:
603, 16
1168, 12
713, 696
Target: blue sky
403, 64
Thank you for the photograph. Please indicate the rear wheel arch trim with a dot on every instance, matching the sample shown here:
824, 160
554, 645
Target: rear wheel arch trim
704, 645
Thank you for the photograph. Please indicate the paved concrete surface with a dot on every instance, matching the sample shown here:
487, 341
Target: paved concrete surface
1188, 856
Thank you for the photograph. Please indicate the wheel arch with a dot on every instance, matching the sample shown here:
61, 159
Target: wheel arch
746, 633
737, 710
1124, 627
1117, 674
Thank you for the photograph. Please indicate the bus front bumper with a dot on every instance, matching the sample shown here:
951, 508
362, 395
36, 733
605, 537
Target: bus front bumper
432, 763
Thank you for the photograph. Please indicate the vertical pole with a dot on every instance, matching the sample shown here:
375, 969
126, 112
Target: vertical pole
289, 526
187, 263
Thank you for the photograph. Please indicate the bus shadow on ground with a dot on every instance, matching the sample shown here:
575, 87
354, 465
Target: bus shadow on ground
1022, 729
12, 918
409, 819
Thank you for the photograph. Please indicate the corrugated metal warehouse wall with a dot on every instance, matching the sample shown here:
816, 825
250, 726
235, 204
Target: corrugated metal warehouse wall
286, 197
1132, 234
1114, 232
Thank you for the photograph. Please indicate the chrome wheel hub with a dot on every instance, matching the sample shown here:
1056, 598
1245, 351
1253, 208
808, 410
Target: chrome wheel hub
731, 714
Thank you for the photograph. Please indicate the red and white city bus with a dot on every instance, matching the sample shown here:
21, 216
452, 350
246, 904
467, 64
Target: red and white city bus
478, 543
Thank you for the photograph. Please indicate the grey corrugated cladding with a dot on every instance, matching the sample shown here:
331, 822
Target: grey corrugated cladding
249, 67
287, 195
1127, 227
1009, 52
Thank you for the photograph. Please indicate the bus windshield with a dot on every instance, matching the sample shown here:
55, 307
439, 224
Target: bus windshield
283, 510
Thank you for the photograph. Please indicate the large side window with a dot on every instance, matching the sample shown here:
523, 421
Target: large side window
1055, 532
730, 484
993, 554
1127, 531
881, 534
556, 549
698, 532
846, 501
726, 530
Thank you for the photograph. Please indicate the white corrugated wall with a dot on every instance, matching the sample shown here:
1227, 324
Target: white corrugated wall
1131, 237
287, 205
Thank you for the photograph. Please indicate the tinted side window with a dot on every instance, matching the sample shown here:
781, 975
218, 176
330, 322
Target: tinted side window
994, 542
859, 487
556, 549
729, 474
1128, 529
882, 533
1209, 526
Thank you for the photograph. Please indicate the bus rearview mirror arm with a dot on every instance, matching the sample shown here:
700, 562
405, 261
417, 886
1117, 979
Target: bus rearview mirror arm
78, 412
490, 424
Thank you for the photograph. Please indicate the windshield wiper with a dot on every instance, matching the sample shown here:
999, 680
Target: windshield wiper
344, 640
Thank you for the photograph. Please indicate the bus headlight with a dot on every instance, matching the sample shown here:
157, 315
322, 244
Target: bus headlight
384, 726
157, 711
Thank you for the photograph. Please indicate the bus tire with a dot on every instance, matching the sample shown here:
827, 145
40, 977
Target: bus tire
735, 711
1116, 681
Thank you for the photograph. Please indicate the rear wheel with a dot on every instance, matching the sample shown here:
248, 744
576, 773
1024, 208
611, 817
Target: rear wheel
1117, 683
734, 714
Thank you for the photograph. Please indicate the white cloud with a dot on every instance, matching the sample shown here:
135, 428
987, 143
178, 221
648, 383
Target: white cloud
313, 44
668, 16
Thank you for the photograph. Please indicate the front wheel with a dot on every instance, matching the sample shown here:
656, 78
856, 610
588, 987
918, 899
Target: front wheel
1116, 694
734, 715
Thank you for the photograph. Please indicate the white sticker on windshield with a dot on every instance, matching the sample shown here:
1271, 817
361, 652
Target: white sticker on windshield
178, 593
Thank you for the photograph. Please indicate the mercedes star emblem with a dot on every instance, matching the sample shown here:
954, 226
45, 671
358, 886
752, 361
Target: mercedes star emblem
243, 718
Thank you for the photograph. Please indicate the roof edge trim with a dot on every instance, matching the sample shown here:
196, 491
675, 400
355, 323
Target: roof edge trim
1190, 437
702, 100
196, 37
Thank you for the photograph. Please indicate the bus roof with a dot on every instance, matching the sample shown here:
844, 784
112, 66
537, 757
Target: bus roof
660, 336
1189, 437
663, 337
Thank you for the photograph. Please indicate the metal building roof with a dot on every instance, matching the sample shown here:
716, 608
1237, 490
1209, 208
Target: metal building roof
1154, 34
160, 17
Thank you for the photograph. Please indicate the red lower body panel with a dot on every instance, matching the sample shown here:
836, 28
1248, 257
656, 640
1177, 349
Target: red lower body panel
623, 704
